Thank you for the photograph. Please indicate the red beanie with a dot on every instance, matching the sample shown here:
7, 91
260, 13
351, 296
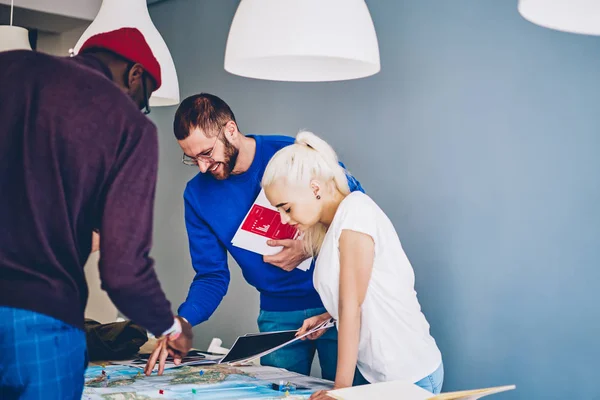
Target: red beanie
129, 43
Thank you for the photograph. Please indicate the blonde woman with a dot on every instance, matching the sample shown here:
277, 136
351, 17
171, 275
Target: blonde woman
362, 274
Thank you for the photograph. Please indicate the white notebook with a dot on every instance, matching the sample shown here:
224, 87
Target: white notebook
263, 223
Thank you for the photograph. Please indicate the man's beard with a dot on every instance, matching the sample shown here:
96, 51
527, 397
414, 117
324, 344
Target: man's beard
228, 164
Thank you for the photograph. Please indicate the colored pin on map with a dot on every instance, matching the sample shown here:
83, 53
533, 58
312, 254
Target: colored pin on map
287, 393
139, 374
193, 391
103, 372
161, 391
201, 373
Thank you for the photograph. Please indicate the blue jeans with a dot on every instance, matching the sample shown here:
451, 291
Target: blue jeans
432, 383
298, 356
40, 357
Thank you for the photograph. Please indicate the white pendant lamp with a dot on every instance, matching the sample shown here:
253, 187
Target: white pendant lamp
302, 40
13, 37
116, 14
575, 16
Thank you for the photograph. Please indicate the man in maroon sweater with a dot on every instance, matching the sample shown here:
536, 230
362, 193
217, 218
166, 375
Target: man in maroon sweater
76, 154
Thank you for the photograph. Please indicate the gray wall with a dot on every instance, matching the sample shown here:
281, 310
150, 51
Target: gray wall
479, 138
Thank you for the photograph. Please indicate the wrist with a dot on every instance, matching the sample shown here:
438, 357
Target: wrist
341, 385
324, 317
343, 379
174, 331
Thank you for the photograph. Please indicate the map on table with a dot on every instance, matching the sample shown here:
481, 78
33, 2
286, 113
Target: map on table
206, 382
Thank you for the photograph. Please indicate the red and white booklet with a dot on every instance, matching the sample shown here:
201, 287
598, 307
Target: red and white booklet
263, 223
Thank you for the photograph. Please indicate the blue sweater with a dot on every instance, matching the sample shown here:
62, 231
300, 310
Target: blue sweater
214, 210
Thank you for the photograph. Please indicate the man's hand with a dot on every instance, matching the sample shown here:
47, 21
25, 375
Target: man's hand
310, 323
176, 348
289, 257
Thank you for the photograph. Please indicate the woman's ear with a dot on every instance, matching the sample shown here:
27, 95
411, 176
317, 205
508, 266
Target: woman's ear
315, 186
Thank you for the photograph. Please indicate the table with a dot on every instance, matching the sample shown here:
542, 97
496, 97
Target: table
196, 382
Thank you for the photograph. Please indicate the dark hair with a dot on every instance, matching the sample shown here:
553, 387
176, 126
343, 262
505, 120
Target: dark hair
205, 111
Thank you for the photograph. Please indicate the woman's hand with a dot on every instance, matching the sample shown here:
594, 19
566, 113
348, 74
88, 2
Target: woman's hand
312, 322
322, 394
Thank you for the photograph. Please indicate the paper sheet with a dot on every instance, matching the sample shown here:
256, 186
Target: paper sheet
383, 390
193, 358
472, 394
409, 391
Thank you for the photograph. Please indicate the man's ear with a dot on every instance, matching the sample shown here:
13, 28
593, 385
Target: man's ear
134, 79
231, 132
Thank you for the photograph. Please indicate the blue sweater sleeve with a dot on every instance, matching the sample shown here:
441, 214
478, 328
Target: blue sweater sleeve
209, 259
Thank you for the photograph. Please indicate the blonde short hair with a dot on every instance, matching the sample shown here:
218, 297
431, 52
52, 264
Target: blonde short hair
310, 157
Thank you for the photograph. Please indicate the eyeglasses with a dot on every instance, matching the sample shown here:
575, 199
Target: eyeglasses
204, 158
146, 100
146, 106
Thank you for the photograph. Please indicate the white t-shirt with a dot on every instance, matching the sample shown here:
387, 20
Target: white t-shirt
394, 343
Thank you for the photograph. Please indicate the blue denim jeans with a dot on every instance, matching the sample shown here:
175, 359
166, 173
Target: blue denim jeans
40, 357
298, 356
432, 383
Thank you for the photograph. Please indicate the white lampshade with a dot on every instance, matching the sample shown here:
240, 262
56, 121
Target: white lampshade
575, 16
14, 38
116, 14
302, 40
